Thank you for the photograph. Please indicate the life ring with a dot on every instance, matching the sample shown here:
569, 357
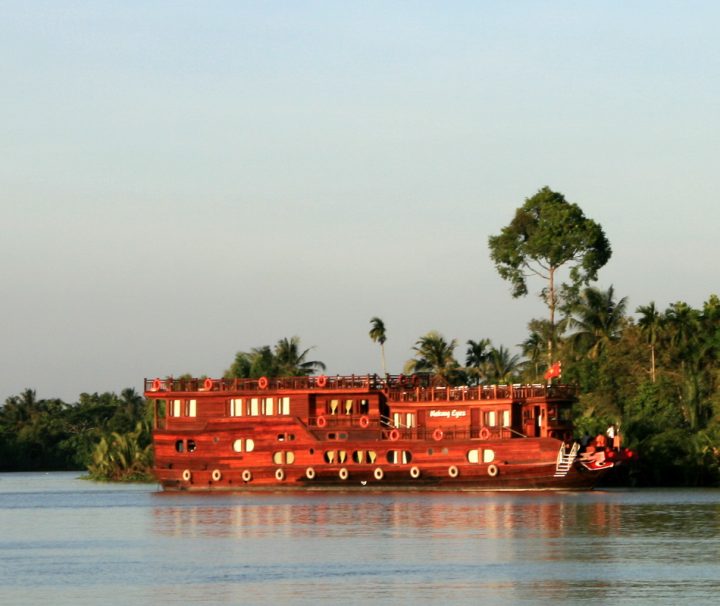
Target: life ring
263, 382
246, 475
364, 421
394, 435
156, 384
378, 474
453, 471
321, 381
343, 473
414, 472
310, 473
484, 433
216, 475
279, 475
438, 434
321, 421
492, 470
208, 384
186, 475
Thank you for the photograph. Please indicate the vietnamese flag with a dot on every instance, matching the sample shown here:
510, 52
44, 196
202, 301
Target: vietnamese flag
555, 370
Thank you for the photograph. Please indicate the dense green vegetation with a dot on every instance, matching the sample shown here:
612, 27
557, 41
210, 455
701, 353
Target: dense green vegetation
654, 374
106, 434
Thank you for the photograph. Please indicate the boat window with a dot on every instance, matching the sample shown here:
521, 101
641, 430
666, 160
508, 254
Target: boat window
371, 456
410, 419
488, 455
268, 406
284, 406
358, 456
179, 445
191, 408
278, 458
342, 456
397, 457
281, 437
473, 456
506, 418
191, 446
329, 456
175, 410
490, 419
254, 407
334, 404
364, 407
348, 406
236, 407
241, 445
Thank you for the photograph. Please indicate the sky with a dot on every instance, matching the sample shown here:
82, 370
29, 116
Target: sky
181, 181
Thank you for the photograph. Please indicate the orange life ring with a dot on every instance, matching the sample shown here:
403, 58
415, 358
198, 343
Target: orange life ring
156, 385
321, 421
437, 434
208, 384
263, 382
321, 381
484, 433
364, 421
394, 435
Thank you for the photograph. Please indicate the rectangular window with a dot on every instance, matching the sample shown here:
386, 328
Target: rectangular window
396, 419
254, 407
506, 418
192, 408
284, 406
176, 408
410, 420
236, 407
268, 406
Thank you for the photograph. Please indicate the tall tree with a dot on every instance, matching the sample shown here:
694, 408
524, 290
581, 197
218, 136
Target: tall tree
546, 234
599, 320
377, 334
434, 354
650, 323
291, 361
287, 358
476, 359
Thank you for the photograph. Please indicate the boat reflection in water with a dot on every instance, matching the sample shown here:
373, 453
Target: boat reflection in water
504, 547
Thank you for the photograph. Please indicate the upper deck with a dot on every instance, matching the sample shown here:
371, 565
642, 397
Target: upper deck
396, 388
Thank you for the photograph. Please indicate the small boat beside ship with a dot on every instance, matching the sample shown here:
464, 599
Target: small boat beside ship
367, 431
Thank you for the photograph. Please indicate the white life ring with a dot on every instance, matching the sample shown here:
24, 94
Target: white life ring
279, 475
310, 473
378, 474
492, 470
414, 472
186, 475
216, 475
453, 471
343, 473
246, 475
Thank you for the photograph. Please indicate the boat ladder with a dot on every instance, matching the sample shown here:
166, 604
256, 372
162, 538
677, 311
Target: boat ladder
565, 460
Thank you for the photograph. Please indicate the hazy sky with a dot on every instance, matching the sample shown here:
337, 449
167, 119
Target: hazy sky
183, 180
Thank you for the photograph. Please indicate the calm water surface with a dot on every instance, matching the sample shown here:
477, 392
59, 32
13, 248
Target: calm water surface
68, 541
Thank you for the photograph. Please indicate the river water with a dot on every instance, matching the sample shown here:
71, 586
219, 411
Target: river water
64, 540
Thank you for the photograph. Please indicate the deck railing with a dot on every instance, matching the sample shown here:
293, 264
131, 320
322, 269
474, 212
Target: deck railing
399, 388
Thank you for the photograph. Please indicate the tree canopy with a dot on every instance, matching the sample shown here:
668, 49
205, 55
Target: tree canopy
546, 234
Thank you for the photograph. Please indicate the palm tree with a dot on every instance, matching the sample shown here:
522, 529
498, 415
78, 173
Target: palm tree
292, 362
599, 320
650, 324
377, 334
476, 358
503, 366
434, 354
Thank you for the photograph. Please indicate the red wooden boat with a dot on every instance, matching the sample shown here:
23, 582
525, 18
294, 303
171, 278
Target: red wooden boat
367, 432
